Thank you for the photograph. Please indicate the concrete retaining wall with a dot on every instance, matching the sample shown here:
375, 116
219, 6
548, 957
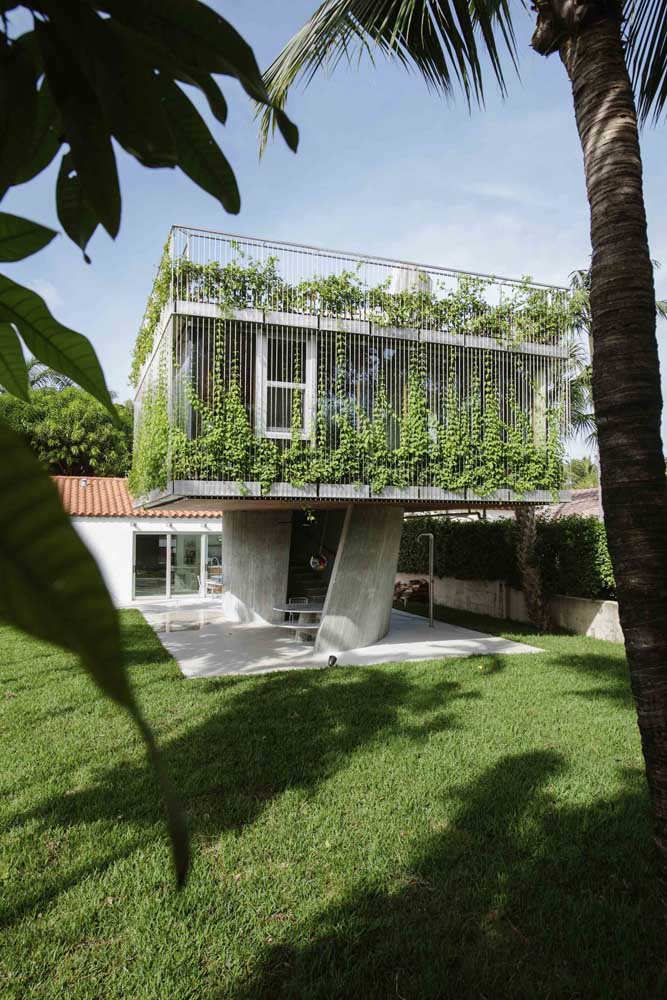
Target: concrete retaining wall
596, 618
497, 599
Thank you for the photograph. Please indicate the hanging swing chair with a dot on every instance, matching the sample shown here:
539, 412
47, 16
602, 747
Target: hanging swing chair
319, 561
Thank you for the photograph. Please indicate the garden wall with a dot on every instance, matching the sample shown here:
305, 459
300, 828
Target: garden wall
476, 570
498, 599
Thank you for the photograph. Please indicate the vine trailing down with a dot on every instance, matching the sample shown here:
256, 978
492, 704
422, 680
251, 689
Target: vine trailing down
387, 410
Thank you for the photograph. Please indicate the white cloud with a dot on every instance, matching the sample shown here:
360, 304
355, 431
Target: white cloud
49, 293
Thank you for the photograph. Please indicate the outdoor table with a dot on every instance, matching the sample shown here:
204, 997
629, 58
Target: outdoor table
302, 609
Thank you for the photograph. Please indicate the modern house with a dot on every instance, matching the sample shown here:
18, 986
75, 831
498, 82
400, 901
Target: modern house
295, 387
144, 554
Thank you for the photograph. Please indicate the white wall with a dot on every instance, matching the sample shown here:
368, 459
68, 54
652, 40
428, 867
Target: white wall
110, 539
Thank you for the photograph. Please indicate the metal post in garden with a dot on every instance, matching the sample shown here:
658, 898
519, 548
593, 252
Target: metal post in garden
429, 535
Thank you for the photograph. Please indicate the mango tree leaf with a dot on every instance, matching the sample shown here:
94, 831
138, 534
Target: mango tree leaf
20, 238
191, 29
198, 155
57, 346
46, 137
124, 83
75, 213
13, 369
84, 125
18, 103
51, 588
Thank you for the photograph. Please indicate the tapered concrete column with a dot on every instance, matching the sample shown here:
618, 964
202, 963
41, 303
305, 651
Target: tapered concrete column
358, 603
255, 563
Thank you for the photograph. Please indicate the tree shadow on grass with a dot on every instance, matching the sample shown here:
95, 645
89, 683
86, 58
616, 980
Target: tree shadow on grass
516, 898
260, 738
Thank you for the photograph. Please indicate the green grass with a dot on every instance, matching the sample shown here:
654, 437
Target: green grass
462, 828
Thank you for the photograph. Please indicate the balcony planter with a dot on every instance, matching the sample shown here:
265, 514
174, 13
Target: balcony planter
215, 488
397, 493
494, 495
435, 493
344, 491
287, 490
532, 496
335, 324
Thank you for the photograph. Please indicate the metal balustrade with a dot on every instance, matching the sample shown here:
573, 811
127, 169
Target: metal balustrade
282, 370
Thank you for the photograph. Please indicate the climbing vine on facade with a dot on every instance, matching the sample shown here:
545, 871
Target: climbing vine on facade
379, 415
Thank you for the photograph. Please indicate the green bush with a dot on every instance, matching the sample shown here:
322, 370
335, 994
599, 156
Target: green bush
475, 550
574, 558
572, 553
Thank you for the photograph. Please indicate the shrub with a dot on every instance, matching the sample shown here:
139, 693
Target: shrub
574, 558
477, 550
572, 553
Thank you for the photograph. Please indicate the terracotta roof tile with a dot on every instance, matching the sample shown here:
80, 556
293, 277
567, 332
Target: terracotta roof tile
107, 496
583, 503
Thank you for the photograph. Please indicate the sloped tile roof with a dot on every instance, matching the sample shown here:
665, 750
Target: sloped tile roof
583, 503
108, 496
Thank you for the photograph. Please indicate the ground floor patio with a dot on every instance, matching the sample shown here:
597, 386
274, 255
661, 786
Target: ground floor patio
205, 644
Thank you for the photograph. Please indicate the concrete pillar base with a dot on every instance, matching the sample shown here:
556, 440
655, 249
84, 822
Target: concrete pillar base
255, 563
358, 603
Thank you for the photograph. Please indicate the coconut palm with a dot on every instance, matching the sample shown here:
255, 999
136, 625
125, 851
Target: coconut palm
602, 45
582, 416
40, 376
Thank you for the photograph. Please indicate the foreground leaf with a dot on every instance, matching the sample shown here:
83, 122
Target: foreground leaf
198, 155
13, 369
75, 213
20, 238
84, 125
51, 587
56, 345
18, 104
46, 137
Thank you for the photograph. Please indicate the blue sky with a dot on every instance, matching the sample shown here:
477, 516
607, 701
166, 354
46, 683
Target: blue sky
383, 166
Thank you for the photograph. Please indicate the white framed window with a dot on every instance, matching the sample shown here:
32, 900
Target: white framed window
286, 364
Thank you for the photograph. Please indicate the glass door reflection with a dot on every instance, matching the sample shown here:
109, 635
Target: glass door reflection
185, 564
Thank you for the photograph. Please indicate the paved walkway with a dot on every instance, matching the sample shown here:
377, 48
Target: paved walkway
206, 645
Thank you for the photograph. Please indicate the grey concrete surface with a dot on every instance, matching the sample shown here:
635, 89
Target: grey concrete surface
358, 602
206, 644
255, 560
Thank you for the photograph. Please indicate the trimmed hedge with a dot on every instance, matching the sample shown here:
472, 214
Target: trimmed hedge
574, 558
469, 550
572, 553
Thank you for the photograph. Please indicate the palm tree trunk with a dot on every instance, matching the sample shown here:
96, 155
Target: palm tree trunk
626, 384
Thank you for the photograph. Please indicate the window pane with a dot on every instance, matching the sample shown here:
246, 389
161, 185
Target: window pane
287, 358
279, 408
150, 566
185, 564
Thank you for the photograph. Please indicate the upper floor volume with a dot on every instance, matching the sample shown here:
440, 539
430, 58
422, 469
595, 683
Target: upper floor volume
267, 369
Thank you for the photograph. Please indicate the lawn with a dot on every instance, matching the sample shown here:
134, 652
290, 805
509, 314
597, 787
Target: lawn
462, 828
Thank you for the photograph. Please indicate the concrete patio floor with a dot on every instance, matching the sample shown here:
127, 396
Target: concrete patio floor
205, 644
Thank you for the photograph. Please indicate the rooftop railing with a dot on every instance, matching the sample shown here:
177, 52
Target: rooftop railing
266, 367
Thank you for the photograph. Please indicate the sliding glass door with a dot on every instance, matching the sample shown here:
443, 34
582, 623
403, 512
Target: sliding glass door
150, 565
172, 564
185, 564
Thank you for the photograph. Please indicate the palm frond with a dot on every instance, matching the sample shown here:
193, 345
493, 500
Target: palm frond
40, 376
646, 22
442, 39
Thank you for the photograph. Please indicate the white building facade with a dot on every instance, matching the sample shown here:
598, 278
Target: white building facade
144, 556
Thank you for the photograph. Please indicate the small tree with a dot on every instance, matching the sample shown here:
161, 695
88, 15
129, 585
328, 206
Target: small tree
70, 432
